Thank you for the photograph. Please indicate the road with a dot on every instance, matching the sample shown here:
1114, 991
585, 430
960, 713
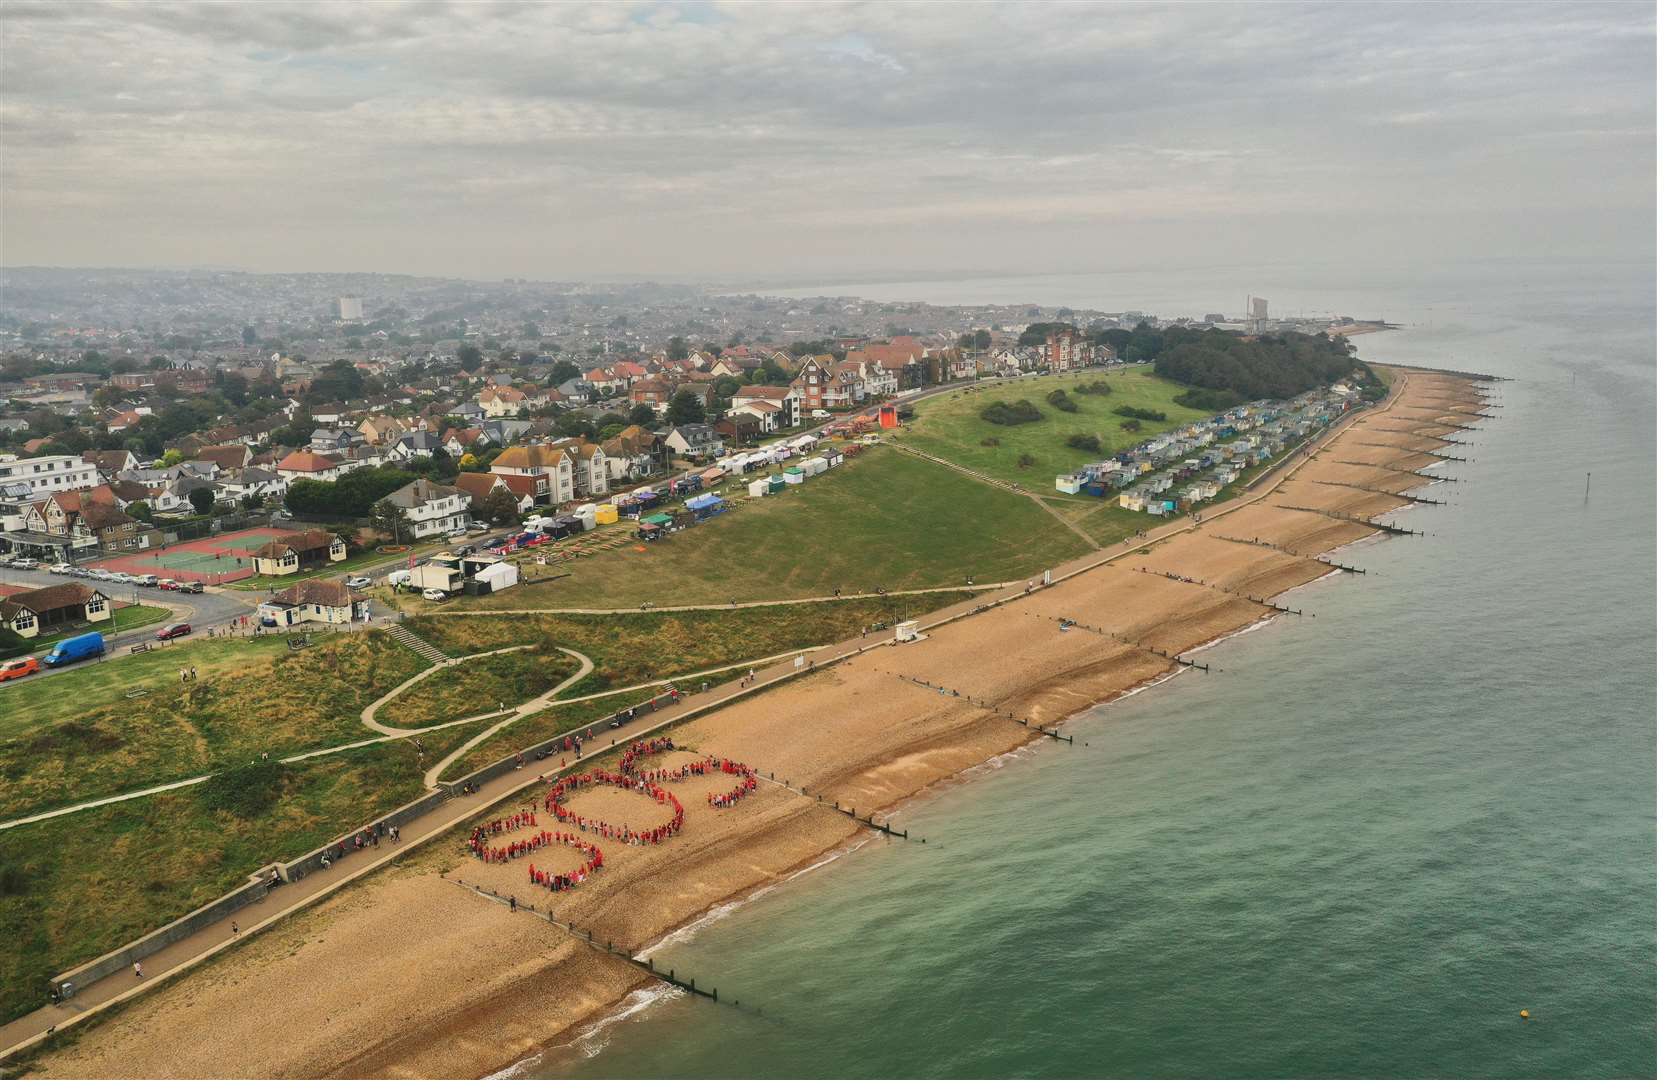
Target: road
216, 607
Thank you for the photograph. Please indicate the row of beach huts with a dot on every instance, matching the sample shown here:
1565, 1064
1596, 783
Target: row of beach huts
1191, 465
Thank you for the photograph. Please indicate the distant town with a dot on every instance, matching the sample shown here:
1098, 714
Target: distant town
137, 406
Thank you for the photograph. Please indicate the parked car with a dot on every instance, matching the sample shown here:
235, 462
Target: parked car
435, 594
189, 586
465, 549
477, 527
149, 580
458, 534
167, 584
358, 582
399, 577
69, 650
173, 630
819, 414
16, 669
60, 568
26, 564
6, 560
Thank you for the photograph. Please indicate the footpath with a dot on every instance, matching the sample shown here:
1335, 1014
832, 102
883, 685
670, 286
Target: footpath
214, 938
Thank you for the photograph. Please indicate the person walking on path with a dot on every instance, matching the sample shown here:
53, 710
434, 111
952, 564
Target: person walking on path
137, 969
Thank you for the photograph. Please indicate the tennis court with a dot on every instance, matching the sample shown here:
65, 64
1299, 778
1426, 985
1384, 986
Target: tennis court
212, 560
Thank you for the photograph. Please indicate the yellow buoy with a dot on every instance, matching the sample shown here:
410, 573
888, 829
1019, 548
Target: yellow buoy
1524, 1014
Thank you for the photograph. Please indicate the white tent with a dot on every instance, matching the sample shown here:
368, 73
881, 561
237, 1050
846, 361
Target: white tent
501, 575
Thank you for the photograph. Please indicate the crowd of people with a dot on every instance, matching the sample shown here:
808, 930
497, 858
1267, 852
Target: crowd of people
560, 790
482, 845
708, 766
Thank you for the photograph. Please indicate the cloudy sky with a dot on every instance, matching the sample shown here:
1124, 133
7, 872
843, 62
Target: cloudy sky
744, 140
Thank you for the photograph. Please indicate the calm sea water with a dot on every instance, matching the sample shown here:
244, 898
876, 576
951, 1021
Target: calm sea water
1356, 851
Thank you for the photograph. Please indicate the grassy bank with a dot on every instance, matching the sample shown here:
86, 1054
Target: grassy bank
126, 617
952, 427
477, 686
276, 701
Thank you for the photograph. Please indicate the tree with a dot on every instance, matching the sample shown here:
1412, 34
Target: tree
686, 408
250, 336
470, 357
389, 520
338, 381
677, 348
140, 511
171, 458
499, 507
202, 499
564, 371
642, 415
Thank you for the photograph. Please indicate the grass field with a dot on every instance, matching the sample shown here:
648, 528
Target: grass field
950, 425
881, 520
477, 686
553, 720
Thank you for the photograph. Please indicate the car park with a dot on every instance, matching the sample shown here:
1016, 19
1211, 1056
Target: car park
358, 582
172, 630
18, 668
435, 594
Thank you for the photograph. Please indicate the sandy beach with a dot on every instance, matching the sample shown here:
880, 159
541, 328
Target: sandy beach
408, 974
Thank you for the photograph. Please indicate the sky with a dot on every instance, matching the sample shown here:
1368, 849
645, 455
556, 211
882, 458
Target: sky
724, 141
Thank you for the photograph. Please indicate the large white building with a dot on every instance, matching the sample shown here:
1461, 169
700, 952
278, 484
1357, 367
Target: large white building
49, 474
350, 308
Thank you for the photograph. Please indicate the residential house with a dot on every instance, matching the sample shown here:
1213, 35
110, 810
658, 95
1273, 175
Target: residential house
335, 440
634, 454
499, 401
458, 442
695, 441
1066, 350
481, 485
544, 472
651, 391
111, 463
821, 383
294, 552
227, 458
36, 611
739, 428
783, 402
253, 483
382, 430
306, 465
432, 509
592, 476
414, 444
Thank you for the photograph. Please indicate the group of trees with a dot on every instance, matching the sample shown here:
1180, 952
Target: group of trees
351, 496
1134, 413
1061, 401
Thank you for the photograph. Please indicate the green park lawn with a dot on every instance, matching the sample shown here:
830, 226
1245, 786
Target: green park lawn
883, 519
950, 426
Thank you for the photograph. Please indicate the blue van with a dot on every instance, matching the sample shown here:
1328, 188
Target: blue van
69, 650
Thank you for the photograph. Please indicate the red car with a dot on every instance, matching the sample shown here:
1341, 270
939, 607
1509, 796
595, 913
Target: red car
16, 669
172, 630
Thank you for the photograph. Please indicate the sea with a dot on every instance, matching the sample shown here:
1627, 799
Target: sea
1358, 848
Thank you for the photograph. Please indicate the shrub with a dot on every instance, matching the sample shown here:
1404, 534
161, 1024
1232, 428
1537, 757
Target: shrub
1019, 412
1140, 414
1060, 401
1089, 443
245, 790
1130, 425
1025, 461
991, 441
12, 643
1097, 386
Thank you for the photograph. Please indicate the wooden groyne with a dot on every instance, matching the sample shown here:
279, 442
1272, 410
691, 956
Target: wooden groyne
671, 977
1383, 491
1182, 579
982, 703
1381, 526
1066, 623
851, 812
1400, 472
1406, 450
1474, 375
1257, 542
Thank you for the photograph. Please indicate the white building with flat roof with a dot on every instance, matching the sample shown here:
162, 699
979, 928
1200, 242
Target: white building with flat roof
350, 308
48, 474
